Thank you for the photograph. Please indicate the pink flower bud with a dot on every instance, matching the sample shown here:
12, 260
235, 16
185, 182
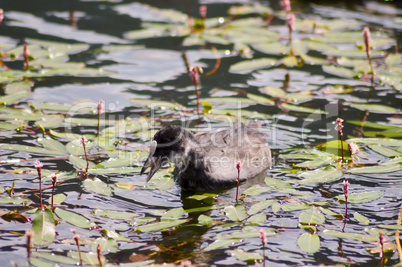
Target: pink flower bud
1, 15
263, 236
238, 166
100, 106
195, 75
54, 178
338, 126
291, 19
38, 165
366, 37
285, 5
203, 11
83, 140
345, 188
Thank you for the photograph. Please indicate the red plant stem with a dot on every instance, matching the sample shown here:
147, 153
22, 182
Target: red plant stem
198, 99
52, 195
99, 250
40, 187
79, 250
86, 158
263, 254
238, 181
97, 131
341, 139
346, 208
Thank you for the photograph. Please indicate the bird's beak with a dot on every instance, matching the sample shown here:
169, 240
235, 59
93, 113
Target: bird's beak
153, 162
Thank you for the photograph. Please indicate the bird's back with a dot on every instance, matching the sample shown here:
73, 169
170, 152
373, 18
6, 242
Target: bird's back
214, 158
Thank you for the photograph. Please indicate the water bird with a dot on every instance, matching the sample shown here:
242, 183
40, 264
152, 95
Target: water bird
207, 161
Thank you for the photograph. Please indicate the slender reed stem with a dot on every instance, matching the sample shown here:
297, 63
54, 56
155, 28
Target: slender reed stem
83, 142
98, 251
238, 166
38, 167
77, 242
54, 182
29, 245
263, 241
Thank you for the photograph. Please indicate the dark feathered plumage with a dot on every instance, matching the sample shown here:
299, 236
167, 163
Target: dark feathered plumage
207, 161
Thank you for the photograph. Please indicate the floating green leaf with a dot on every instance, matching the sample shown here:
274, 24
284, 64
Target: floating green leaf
172, 215
55, 258
256, 190
97, 186
236, 212
375, 108
257, 207
52, 144
80, 163
361, 218
74, 218
160, 225
353, 236
57, 199
324, 175
246, 256
311, 217
9, 99
43, 227
30, 149
250, 65
309, 243
106, 244
205, 220
121, 215
121, 170
362, 197
257, 219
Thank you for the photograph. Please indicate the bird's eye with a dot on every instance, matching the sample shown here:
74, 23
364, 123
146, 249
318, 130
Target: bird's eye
152, 147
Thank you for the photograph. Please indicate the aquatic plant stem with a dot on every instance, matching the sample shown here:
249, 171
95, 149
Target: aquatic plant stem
29, 245
338, 128
263, 241
98, 251
346, 193
100, 111
54, 182
381, 241
366, 38
195, 77
77, 242
238, 166
398, 241
38, 167
83, 142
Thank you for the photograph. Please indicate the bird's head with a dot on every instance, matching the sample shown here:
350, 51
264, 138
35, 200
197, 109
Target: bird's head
167, 144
